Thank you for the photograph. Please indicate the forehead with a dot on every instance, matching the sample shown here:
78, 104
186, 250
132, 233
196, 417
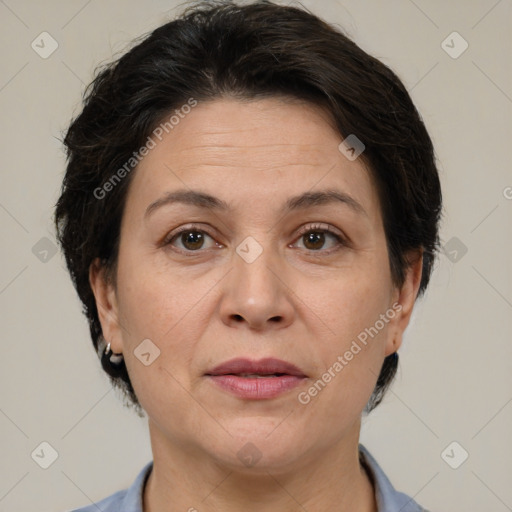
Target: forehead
270, 128
250, 150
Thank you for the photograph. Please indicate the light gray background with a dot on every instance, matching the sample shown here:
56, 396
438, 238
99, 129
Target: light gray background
455, 377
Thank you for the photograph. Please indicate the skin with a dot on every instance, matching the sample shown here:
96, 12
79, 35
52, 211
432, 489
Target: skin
301, 301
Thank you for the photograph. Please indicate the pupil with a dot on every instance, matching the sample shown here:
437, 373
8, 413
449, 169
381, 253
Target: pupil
192, 239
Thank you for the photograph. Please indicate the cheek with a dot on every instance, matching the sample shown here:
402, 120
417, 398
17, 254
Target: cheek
172, 310
353, 345
154, 308
156, 303
350, 304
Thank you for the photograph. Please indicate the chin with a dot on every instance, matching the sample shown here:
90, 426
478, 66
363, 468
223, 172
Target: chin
258, 444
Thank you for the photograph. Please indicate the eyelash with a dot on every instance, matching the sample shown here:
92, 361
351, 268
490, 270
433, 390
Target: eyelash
310, 228
323, 228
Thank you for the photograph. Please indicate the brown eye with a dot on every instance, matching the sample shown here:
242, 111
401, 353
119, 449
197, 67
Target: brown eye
315, 237
189, 240
192, 240
314, 240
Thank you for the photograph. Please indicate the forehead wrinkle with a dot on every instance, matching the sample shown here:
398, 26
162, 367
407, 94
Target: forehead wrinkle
201, 146
301, 164
272, 154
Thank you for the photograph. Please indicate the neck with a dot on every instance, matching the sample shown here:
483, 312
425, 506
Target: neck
188, 480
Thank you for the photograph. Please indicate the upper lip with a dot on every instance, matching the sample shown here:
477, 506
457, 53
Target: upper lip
267, 366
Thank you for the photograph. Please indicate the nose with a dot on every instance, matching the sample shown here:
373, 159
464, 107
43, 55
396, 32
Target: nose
256, 294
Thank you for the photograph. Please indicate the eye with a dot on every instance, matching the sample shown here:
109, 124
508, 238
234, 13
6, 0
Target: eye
315, 237
191, 239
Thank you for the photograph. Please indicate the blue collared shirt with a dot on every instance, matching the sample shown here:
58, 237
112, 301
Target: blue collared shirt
388, 499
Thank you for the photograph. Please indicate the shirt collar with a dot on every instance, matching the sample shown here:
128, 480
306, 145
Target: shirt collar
133, 499
387, 498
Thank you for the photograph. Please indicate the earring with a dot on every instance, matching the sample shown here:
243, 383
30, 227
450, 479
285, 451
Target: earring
113, 357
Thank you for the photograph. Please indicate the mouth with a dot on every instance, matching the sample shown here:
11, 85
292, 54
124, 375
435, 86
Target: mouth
263, 379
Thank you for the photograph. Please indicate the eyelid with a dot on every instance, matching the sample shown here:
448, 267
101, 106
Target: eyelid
342, 240
188, 227
319, 226
307, 228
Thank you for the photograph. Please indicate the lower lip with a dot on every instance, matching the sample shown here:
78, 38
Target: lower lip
256, 388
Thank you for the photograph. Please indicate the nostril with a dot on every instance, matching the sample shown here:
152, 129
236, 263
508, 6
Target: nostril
239, 318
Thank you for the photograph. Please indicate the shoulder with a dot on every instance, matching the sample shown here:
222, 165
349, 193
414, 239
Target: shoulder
387, 497
126, 500
111, 503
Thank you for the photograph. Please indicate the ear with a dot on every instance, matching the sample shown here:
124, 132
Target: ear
403, 301
106, 303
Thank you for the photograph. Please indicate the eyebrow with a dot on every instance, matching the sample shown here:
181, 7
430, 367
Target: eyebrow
299, 202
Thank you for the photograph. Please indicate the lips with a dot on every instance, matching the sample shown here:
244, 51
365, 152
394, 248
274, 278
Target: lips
256, 380
264, 367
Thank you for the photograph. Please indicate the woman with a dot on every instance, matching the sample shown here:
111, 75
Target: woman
249, 212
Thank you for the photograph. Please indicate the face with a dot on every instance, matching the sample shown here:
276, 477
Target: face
261, 269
